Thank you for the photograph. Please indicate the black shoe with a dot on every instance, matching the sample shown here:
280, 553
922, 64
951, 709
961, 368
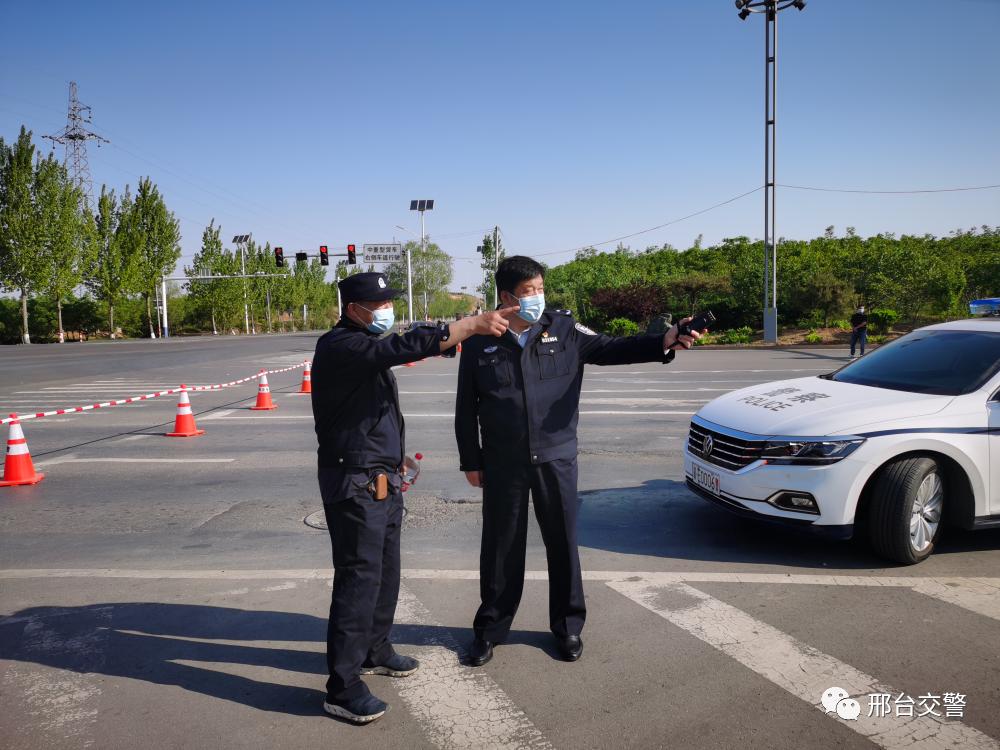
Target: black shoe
481, 652
362, 710
396, 665
570, 647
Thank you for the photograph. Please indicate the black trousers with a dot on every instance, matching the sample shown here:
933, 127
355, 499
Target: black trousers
860, 336
364, 533
552, 487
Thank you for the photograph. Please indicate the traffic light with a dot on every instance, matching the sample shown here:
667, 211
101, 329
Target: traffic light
301, 257
324, 258
279, 257
352, 256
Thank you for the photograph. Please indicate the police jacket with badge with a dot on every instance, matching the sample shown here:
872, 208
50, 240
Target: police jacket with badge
522, 404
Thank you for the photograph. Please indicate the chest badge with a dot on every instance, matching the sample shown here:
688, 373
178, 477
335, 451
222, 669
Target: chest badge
548, 339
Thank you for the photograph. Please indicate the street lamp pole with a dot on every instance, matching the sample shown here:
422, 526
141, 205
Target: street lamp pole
770, 9
241, 240
421, 206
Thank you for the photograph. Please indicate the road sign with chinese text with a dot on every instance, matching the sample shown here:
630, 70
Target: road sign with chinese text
389, 253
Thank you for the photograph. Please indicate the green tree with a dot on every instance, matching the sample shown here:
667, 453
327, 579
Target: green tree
823, 297
431, 271
491, 259
68, 244
154, 237
220, 300
113, 274
22, 263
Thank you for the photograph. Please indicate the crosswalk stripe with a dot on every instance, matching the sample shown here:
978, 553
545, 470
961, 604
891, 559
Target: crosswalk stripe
459, 708
802, 670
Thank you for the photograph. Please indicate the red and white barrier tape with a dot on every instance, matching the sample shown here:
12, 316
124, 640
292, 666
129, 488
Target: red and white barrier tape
146, 397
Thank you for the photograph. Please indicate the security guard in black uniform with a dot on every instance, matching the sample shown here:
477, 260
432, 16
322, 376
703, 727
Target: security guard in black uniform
520, 395
361, 447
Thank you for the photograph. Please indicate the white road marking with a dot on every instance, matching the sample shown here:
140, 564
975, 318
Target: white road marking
63, 702
976, 594
450, 415
57, 390
131, 438
585, 390
48, 420
216, 414
640, 401
58, 402
656, 390
637, 413
111, 460
802, 670
459, 708
261, 418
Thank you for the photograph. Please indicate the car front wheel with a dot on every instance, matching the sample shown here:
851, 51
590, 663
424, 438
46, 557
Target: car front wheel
906, 509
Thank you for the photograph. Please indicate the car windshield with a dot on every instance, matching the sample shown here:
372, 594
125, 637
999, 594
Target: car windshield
942, 362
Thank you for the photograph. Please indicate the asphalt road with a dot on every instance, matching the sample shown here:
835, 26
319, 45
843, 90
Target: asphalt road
166, 592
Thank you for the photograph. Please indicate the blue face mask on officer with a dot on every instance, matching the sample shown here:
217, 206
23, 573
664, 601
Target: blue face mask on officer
532, 307
382, 318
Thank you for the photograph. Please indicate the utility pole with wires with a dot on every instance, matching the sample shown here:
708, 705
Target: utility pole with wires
770, 10
496, 264
74, 137
491, 252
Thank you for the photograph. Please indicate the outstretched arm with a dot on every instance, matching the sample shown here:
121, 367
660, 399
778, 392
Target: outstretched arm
493, 323
368, 352
598, 349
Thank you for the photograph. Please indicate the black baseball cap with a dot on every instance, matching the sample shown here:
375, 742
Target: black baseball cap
367, 287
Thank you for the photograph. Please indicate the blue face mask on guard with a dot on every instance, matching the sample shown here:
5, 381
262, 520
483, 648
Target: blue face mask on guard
382, 319
531, 307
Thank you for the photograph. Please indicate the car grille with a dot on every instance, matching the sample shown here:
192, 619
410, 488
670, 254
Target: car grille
727, 451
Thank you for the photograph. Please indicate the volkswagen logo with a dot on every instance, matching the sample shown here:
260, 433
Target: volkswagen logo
707, 445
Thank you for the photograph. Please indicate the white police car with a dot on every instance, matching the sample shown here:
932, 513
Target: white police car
893, 446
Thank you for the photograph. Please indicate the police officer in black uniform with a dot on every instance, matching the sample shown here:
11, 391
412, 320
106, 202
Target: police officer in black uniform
361, 447
515, 421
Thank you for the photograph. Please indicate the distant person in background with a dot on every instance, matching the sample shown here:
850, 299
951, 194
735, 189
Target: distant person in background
859, 330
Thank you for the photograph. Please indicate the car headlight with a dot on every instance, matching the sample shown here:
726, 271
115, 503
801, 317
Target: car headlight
810, 452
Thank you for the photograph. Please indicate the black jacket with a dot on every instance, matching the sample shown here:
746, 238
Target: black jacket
355, 401
524, 404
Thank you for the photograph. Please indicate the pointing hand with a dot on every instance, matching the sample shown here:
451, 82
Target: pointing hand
495, 323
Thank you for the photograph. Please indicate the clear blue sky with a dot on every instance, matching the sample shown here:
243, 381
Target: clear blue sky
565, 122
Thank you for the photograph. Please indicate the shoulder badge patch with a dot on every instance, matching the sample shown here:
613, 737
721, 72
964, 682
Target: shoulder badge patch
584, 330
489, 349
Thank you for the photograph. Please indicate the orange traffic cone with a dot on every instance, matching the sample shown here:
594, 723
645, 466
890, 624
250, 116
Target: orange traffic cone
264, 402
184, 425
307, 386
17, 467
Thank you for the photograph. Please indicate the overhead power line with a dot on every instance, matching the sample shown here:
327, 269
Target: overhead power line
889, 192
653, 229
751, 192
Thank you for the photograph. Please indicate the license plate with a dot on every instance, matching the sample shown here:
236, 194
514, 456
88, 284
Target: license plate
706, 479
